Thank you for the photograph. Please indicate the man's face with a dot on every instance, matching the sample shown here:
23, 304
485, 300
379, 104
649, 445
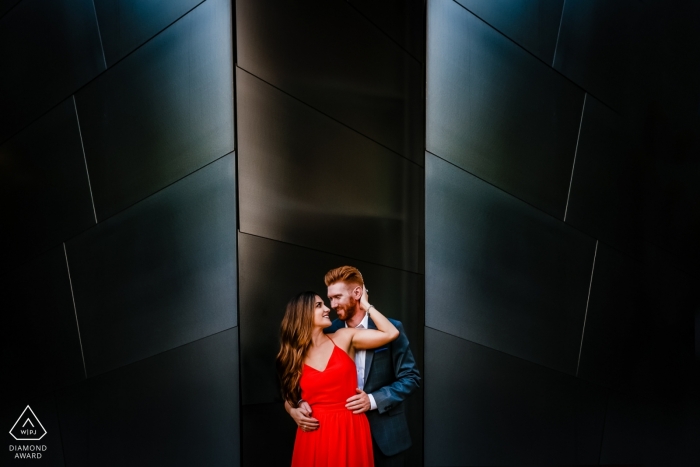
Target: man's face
344, 298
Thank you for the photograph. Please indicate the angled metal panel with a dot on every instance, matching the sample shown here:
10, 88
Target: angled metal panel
162, 113
498, 112
126, 24
48, 49
532, 24
639, 326
502, 273
44, 189
402, 20
160, 274
179, 408
308, 180
331, 57
41, 341
479, 400
601, 49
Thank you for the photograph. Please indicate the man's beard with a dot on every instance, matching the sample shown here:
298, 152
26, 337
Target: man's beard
350, 309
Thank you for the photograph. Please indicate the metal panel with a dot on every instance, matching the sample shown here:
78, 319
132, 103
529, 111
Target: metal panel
501, 273
40, 341
498, 112
162, 113
643, 431
7, 5
48, 49
330, 57
160, 274
532, 24
126, 24
639, 326
261, 423
179, 408
402, 20
343, 194
272, 272
606, 185
599, 48
483, 407
44, 189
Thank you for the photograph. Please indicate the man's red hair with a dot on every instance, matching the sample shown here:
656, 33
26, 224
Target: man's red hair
347, 274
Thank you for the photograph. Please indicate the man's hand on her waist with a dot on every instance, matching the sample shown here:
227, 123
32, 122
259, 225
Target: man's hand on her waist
358, 403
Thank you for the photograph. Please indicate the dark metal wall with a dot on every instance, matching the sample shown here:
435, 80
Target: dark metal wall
561, 208
516, 179
119, 215
329, 98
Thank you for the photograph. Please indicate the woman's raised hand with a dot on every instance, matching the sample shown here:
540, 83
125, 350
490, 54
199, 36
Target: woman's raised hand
364, 300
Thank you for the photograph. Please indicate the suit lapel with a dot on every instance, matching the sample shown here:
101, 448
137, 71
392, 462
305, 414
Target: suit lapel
369, 355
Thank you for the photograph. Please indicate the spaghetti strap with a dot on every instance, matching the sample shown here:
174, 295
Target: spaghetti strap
331, 340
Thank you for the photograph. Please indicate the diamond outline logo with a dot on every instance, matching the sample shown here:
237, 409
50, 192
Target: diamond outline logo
28, 419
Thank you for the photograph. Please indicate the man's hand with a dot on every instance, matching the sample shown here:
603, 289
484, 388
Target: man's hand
358, 403
302, 417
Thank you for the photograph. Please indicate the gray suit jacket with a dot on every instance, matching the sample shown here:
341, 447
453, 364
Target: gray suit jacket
390, 376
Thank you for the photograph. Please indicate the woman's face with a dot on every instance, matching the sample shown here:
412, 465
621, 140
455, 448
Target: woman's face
321, 313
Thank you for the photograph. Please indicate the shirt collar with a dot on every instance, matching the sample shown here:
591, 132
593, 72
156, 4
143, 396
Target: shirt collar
364, 322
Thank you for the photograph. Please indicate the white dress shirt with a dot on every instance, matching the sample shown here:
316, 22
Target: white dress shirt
360, 356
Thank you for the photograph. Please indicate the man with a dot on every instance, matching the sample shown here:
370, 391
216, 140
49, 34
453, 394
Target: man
386, 376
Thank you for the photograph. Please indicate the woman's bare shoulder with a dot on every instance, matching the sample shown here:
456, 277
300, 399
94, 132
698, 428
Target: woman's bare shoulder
343, 335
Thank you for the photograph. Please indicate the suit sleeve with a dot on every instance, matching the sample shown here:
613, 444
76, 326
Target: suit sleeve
405, 371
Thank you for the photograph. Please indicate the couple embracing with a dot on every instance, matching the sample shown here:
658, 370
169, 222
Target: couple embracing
344, 382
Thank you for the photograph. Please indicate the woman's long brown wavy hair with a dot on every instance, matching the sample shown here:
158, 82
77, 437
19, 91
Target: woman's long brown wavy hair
295, 340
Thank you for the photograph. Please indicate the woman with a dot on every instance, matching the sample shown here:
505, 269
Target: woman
320, 369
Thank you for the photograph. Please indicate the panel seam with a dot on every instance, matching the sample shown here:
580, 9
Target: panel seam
99, 33
585, 316
82, 145
561, 21
75, 310
573, 166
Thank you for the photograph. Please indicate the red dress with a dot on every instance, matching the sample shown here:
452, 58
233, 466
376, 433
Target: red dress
343, 439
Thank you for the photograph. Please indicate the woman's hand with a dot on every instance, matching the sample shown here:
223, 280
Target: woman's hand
302, 416
364, 300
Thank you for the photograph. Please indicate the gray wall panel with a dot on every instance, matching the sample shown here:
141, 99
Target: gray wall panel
40, 340
48, 49
498, 112
308, 180
162, 113
126, 24
501, 273
329, 56
44, 190
160, 274
639, 326
272, 272
532, 24
402, 20
599, 47
486, 408
180, 408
